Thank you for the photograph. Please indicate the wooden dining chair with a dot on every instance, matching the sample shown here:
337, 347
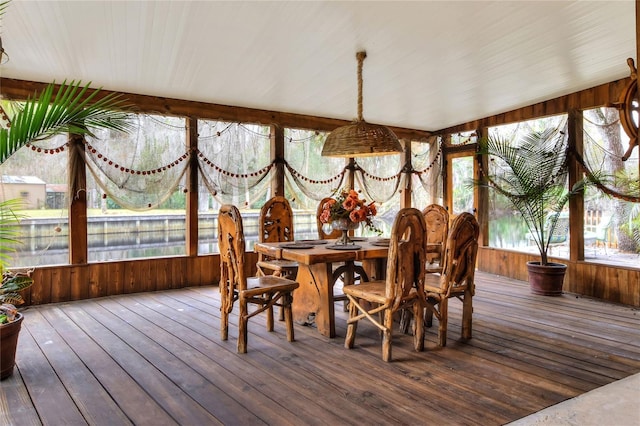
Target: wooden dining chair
436, 218
276, 225
401, 289
456, 278
265, 291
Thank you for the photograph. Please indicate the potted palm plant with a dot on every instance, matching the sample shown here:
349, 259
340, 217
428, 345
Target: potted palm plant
10, 287
69, 109
531, 172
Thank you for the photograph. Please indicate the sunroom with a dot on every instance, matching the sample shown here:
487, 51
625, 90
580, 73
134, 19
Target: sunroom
231, 103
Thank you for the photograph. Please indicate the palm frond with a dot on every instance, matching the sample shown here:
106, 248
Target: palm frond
531, 172
69, 110
9, 230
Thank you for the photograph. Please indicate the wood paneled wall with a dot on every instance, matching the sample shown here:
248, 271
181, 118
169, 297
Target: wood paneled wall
64, 283
615, 284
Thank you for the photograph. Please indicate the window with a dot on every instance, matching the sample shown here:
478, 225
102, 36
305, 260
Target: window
507, 229
45, 233
611, 224
309, 177
235, 168
136, 190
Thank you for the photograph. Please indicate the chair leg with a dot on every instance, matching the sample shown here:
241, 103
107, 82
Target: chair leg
418, 327
270, 319
406, 317
467, 313
224, 312
351, 327
242, 327
442, 324
428, 316
288, 315
292, 276
224, 324
387, 335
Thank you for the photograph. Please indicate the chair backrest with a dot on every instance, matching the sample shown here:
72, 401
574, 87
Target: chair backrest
231, 246
407, 256
276, 221
335, 233
460, 255
436, 218
560, 233
603, 226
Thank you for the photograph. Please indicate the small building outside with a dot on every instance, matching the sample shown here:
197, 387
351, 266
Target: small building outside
31, 189
56, 196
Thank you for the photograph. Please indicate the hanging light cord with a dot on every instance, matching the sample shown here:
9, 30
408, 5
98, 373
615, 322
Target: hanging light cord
360, 56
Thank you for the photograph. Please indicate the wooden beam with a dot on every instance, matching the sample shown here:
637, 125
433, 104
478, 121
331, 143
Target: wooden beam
576, 203
277, 155
21, 89
405, 193
78, 247
192, 188
597, 96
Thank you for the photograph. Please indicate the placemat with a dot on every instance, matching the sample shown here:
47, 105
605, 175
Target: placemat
383, 242
297, 246
314, 242
344, 247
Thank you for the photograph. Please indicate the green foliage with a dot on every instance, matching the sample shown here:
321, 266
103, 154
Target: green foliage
177, 201
10, 287
531, 172
69, 110
9, 231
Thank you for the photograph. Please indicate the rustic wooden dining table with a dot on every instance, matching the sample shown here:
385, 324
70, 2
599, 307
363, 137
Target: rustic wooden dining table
313, 301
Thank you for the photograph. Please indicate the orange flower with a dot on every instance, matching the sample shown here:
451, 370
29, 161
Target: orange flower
325, 216
350, 203
329, 204
358, 215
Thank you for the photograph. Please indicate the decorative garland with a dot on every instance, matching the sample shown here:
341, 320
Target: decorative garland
298, 177
115, 165
598, 183
219, 169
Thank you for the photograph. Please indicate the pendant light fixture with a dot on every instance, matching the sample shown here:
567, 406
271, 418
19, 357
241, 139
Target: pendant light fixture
361, 139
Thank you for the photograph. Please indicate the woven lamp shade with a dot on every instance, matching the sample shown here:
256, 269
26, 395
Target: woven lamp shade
361, 139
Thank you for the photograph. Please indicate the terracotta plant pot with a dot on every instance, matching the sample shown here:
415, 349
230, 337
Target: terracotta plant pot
8, 344
546, 280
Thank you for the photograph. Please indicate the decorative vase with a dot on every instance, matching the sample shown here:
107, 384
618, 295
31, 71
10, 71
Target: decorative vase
546, 280
8, 344
344, 225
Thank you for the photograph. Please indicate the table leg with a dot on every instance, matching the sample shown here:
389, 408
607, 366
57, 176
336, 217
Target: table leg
375, 268
313, 300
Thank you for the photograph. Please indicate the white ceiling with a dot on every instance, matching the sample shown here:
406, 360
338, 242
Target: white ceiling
430, 64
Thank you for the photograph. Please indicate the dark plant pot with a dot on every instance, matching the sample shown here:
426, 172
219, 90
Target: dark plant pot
8, 344
546, 280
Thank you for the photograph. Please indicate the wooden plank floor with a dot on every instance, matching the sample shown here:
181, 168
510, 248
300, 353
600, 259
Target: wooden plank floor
157, 359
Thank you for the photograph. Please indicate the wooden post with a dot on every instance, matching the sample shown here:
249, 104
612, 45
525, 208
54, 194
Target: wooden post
277, 155
407, 191
447, 179
481, 194
192, 188
576, 203
78, 247
351, 173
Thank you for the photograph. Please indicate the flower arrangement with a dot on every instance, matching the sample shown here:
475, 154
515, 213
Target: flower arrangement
349, 206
